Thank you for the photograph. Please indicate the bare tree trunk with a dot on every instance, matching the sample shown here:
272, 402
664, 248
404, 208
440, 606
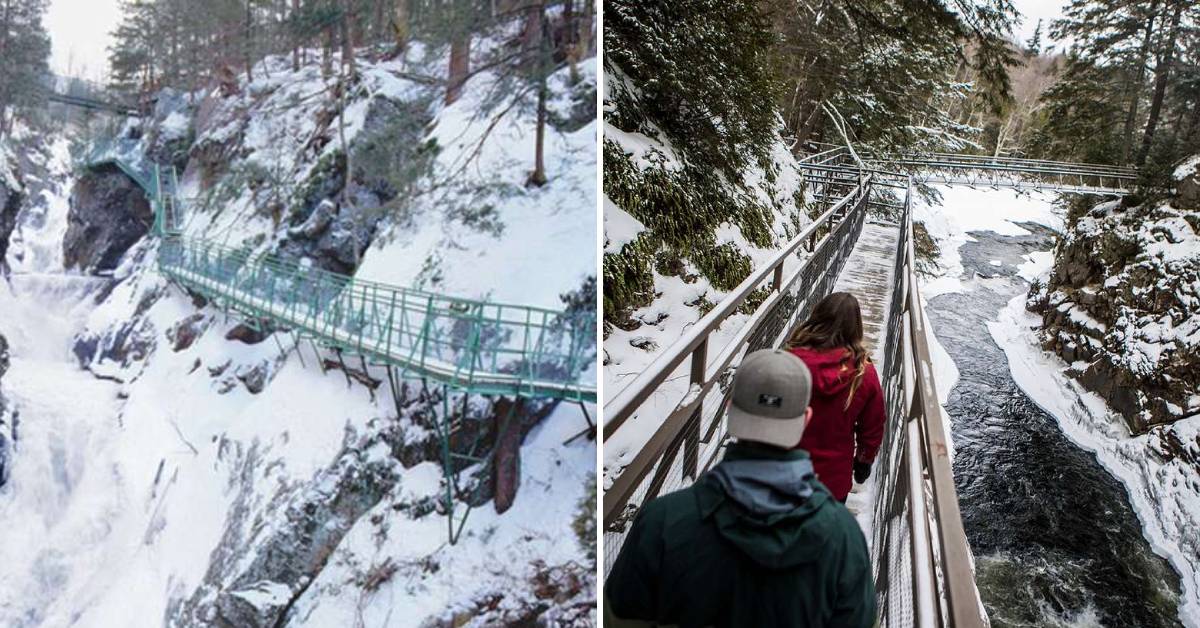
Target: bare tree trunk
248, 43
460, 66
327, 54
1162, 71
400, 25
588, 28
348, 20
295, 37
538, 177
1136, 88
5, 95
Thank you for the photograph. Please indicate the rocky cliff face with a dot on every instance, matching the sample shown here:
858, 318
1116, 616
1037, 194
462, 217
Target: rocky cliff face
10, 203
108, 214
273, 492
7, 422
1122, 305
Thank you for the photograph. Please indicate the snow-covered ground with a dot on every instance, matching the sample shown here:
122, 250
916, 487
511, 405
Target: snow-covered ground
497, 552
965, 209
1165, 494
548, 241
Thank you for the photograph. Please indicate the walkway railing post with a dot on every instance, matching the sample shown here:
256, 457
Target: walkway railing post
691, 449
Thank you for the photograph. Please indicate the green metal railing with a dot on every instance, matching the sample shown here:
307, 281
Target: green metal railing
471, 345
159, 183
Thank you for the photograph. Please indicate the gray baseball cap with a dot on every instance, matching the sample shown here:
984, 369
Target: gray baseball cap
771, 390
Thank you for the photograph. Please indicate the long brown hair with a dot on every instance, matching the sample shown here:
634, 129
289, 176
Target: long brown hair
836, 322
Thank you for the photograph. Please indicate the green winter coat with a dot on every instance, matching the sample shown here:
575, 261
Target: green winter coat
698, 557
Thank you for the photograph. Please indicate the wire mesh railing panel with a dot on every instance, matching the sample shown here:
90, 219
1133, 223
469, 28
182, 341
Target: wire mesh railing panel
896, 604
520, 349
683, 459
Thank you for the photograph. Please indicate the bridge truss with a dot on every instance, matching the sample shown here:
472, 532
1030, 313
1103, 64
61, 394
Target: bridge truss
981, 171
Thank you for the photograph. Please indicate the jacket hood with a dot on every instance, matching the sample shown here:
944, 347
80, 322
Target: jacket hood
831, 369
767, 502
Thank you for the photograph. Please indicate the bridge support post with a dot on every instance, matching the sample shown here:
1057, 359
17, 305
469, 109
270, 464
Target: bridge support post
691, 447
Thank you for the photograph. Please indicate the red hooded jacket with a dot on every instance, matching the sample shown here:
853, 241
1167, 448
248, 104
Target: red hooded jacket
835, 431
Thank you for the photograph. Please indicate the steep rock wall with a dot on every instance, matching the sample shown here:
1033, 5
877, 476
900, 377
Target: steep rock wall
109, 213
1122, 306
7, 422
11, 197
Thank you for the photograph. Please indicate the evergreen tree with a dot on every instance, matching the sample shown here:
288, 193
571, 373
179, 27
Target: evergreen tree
1130, 64
24, 58
889, 68
1034, 45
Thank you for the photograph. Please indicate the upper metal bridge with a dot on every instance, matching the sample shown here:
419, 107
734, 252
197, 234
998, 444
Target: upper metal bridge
976, 170
86, 95
669, 419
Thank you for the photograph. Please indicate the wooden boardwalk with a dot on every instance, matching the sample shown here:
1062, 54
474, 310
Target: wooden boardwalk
868, 276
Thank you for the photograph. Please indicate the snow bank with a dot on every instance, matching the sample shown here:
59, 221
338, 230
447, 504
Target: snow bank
1163, 486
546, 243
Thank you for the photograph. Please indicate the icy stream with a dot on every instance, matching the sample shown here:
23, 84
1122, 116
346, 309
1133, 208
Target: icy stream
57, 506
1056, 537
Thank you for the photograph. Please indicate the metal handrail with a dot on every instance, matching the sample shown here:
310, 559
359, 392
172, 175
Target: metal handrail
1018, 161
831, 148
838, 227
916, 482
623, 404
1011, 172
1029, 169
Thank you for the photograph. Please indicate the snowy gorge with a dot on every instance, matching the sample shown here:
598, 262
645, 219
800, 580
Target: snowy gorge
166, 468
1160, 469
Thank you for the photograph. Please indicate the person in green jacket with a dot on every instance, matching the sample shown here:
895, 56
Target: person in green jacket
757, 541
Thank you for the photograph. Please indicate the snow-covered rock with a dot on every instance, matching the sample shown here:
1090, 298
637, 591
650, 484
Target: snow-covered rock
1123, 301
6, 421
11, 196
1187, 183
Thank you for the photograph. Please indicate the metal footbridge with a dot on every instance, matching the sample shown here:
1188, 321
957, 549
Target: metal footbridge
972, 170
471, 345
85, 95
667, 422
468, 346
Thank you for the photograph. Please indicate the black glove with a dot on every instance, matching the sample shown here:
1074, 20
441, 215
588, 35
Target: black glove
862, 471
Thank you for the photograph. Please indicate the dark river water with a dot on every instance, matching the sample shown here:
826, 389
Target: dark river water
1055, 539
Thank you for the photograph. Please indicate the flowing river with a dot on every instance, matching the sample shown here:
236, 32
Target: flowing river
1055, 539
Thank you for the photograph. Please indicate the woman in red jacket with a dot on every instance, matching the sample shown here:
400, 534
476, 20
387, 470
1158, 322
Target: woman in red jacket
846, 428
